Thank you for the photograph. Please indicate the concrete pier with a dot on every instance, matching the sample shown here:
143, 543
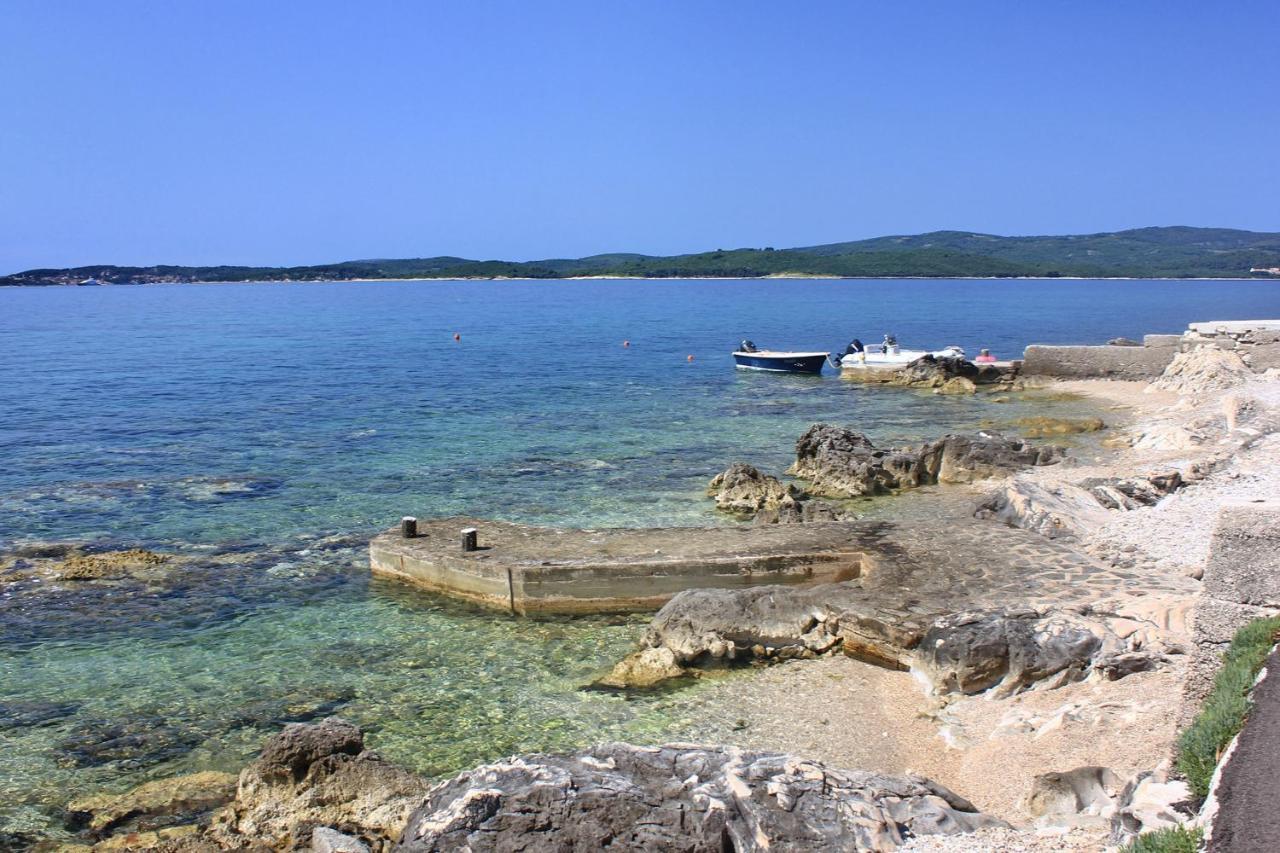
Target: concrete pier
524, 569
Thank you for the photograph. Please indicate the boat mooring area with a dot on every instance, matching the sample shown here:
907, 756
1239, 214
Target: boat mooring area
524, 569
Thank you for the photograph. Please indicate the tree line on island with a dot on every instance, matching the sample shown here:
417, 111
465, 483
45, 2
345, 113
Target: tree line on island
1170, 252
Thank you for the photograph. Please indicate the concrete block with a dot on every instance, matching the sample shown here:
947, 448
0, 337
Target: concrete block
1261, 356
1244, 555
1097, 362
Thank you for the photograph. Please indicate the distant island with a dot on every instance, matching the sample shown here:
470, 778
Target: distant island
1171, 252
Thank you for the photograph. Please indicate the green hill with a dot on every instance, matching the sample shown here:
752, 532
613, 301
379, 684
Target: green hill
1174, 252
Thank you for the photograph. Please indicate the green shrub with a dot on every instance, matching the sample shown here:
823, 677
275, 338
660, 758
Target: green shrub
1176, 839
1225, 709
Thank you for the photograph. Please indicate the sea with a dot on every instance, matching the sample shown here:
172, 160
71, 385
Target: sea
264, 431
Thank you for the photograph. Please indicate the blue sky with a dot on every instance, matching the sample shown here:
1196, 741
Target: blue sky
274, 133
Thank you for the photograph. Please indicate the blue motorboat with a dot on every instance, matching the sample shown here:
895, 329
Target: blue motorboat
748, 357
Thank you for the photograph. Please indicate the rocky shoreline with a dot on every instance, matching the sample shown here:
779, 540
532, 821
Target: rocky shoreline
1045, 627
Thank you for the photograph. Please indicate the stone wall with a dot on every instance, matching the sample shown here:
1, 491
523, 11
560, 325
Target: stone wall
1097, 362
1256, 341
1241, 583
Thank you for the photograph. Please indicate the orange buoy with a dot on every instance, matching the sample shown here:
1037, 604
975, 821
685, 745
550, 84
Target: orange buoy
690, 358
457, 337
626, 343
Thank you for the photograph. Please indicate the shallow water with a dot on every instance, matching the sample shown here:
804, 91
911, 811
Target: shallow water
241, 423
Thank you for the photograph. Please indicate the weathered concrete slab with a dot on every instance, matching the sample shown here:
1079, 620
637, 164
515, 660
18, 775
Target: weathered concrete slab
1241, 583
525, 569
1244, 554
1092, 362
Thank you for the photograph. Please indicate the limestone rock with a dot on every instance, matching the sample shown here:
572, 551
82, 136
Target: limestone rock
1205, 368
794, 511
1007, 651
1060, 510
1151, 800
1130, 493
701, 626
681, 798
1089, 790
289, 754
841, 462
1123, 342
169, 839
965, 458
744, 489
1053, 511
844, 463
318, 775
157, 803
643, 669
929, 371
957, 385
327, 840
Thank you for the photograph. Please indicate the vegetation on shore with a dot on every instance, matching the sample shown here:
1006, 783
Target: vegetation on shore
1174, 839
1175, 252
1227, 706
1221, 718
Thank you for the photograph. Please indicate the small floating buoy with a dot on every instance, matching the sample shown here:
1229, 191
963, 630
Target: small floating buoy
457, 337
626, 343
690, 358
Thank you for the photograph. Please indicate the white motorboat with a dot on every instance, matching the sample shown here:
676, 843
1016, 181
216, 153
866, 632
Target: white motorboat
887, 355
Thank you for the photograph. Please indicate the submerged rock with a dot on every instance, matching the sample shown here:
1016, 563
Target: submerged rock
681, 798
139, 741
743, 489
643, 669
163, 802
64, 562
34, 712
1043, 427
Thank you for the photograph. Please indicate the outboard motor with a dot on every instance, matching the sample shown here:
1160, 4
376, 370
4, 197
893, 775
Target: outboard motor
747, 346
855, 346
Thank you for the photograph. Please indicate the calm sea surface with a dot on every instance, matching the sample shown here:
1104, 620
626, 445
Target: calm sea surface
254, 426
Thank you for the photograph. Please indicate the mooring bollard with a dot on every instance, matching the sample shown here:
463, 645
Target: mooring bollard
408, 527
469, 539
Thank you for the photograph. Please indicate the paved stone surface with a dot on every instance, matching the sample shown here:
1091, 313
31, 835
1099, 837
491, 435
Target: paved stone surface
898, 571
920, 571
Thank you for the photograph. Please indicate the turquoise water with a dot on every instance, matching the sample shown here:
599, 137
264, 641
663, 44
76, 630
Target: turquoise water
241, 425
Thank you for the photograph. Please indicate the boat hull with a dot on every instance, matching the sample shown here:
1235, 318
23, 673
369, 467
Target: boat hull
783, 362
893, 360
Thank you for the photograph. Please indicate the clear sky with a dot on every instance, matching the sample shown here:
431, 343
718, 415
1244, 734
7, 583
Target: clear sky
292, 132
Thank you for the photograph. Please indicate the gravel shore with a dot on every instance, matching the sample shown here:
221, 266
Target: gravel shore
852, 714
